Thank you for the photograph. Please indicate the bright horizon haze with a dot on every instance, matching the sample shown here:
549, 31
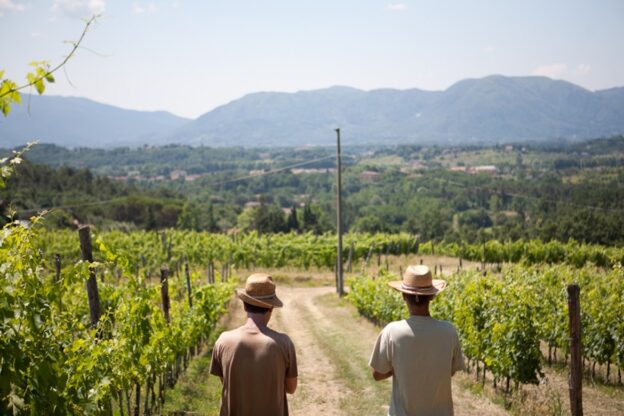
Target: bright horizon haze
188, 57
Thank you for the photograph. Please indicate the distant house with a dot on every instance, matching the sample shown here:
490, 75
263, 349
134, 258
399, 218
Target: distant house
256, 172
457, 168
417, 164
177, 174
489, 169
369, 175
191, 178
252, 204
509, 148
299, 171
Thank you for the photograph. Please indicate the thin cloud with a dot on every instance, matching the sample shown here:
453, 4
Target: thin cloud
396, 7
78, 8
149, 8
583, 69
551, 71
10, 6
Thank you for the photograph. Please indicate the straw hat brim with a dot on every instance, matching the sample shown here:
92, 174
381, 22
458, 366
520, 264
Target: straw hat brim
437, 287
273, 302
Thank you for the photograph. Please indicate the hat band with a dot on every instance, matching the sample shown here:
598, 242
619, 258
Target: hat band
262, 297
406, 287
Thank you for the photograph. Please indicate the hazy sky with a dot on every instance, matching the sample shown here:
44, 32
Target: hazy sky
188, 57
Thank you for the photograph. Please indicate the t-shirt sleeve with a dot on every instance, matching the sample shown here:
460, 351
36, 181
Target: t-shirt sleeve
381, 358
215, 363
291, 369
458, 356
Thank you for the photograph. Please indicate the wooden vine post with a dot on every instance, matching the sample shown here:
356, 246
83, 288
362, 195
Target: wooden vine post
164, 291
188, 284
57, 266
575, 381
93, 295
350, 258
166, 304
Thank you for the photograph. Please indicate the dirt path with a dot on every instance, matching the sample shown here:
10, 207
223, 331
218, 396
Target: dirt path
333, 345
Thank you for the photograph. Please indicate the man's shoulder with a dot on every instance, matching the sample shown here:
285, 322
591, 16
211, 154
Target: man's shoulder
279, 337
427, 324
446, 328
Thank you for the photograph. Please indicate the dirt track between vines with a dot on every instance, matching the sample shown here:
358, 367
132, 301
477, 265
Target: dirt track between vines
333, 345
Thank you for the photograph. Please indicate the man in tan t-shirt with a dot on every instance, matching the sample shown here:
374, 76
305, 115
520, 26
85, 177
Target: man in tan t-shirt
419, 353
256, 364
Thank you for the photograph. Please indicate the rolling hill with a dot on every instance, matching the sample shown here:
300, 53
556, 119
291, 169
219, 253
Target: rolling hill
493, 109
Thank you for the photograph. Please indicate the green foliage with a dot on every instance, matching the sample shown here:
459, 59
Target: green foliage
52, 362
502, 319
9, 90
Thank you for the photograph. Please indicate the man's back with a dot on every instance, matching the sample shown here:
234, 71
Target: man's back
423, 354
254, 364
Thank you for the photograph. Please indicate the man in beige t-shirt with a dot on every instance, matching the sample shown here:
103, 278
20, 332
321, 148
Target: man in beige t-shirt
419, 353
256, 364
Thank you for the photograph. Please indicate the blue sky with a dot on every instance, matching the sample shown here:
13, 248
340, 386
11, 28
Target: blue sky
188, 57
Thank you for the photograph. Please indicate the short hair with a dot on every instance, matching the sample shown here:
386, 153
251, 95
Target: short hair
417, 300
255, 309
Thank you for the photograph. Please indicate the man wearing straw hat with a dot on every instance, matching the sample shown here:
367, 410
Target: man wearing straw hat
256, 364
420, 353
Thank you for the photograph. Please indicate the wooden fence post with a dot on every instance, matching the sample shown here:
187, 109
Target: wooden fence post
57, 266
575, 381
350, 258
164, 290
188, 284
370, 253
93, 295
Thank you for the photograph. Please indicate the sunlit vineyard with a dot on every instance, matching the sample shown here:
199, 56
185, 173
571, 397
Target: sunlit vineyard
144, 250
504, 318
55, 362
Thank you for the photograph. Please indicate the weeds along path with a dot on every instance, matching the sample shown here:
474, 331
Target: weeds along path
333, 345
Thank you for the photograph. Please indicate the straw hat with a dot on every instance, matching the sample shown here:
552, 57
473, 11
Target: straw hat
260, 291
417, 281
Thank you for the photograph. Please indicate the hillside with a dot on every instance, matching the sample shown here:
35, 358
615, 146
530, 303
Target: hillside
490, 110
79, 122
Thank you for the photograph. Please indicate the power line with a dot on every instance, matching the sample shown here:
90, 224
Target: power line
273, 171
537, 198
109, 201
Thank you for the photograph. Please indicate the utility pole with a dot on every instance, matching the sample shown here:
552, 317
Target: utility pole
339, 282
575, 380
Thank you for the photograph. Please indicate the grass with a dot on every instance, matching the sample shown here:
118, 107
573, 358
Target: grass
365, 393
196, 393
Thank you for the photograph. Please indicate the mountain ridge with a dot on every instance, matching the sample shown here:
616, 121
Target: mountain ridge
485, 110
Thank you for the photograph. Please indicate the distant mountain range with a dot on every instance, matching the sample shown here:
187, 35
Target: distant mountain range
79, 122
489, 110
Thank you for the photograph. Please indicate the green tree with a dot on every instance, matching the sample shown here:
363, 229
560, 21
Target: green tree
292, 222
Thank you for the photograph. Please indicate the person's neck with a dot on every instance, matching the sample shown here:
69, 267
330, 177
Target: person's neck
259, 320
419, 311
